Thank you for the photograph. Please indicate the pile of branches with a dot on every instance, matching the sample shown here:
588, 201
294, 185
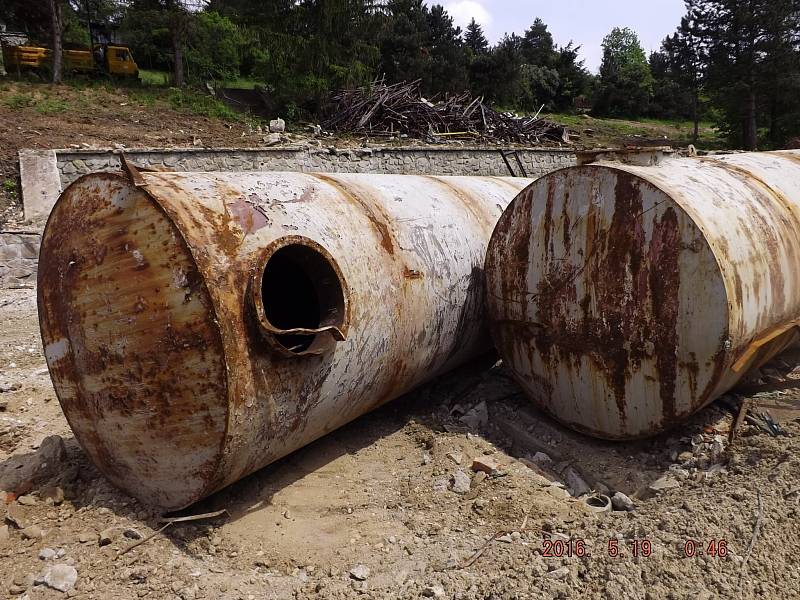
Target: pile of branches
382, 110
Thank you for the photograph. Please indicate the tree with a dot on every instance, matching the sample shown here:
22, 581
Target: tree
537, 45
748, 43
447, 69
625, 79
684, 57
56, 27
474, 38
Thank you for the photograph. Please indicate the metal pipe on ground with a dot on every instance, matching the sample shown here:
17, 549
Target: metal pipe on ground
626, 295
199, 326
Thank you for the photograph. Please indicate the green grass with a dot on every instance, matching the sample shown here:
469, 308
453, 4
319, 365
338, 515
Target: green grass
19, 100
241, 83
51, 106
201, 104
10, 187
615, 132
154, 78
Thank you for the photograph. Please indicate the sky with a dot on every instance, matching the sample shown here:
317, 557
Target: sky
585, 22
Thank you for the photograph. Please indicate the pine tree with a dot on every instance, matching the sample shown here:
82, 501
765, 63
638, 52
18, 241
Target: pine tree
474, 38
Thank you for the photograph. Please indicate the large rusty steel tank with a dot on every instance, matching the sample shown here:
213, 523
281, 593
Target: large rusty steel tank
198, 326
628, 292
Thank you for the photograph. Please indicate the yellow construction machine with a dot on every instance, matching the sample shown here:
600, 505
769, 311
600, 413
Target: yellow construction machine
106, 58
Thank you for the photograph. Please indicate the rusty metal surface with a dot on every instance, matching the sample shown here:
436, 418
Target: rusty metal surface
624, 297
177, 384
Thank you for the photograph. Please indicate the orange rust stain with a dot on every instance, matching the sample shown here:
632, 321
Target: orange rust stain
379, 221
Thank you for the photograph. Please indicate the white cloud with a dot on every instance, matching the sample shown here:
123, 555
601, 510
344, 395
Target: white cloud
463, 11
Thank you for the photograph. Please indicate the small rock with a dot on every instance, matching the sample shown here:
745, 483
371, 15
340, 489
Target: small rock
456, 457
277, 125
505, 538
85, 537
58, 577
461, 482
426, 458
685, 457
359, 572
487, 464
16, 515
132, 534
433, 591
543, 460
47, 554
664, 483
27, 500
558, 573
32, 533
575, 483
3, 405
4, 535
622, 502
16, 590
108, 535
478, 417
272, 139
52, 495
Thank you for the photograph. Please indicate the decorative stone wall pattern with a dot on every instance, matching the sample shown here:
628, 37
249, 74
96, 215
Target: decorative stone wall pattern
408, 160
19, 255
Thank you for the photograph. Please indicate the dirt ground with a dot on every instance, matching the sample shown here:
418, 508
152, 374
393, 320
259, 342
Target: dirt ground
390, 506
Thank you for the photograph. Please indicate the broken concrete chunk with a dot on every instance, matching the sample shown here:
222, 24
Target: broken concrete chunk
359, 572
47, 554
622, 502
58, 577
487, 464
277, 125
461, 482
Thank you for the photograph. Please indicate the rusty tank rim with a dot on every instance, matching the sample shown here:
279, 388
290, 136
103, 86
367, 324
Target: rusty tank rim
88, 436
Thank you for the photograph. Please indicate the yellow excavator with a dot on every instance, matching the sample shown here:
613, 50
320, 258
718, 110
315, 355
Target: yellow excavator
106, 58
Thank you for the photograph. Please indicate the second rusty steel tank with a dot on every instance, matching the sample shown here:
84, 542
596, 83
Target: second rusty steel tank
198, 326
626, 294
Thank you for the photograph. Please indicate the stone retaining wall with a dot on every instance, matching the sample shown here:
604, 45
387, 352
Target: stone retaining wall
407, 160
19, 255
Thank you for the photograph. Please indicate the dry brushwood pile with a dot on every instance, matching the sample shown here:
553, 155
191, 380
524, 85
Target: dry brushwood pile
400, 109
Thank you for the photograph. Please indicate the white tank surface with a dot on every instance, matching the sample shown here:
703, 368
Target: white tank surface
626, 295
199, 326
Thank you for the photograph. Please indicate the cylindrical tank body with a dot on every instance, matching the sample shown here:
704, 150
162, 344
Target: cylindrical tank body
199, 326
623, 298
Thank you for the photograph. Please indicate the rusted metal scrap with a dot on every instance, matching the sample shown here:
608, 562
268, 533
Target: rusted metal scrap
626, 295
199, 326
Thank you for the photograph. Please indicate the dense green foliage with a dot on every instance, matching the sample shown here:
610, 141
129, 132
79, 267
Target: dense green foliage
734, 61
